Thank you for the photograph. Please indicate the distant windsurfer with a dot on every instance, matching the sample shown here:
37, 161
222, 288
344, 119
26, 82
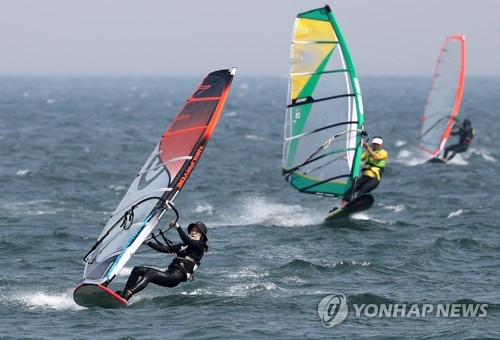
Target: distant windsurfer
465, 133
188, 256
375, 158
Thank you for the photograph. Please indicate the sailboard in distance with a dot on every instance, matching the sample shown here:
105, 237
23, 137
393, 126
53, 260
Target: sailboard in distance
444, 98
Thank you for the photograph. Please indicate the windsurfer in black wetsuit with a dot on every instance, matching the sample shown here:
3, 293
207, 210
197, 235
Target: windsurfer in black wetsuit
188, 256
466, 133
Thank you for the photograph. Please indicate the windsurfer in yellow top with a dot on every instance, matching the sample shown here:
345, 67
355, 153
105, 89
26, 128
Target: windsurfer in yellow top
375, 158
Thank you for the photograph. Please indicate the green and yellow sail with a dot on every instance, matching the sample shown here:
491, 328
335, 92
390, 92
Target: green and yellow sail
324, 116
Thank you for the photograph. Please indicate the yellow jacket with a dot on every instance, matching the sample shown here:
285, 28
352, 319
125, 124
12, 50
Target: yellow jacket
373, 168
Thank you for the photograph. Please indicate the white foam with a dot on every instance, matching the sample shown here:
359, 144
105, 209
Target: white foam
42, 300
360, 216
35, 207
365, 216
483, 153
395, 208
117, 187
353, 263
23, 172
455, 213
254, 137
204, 208
404, 154
248, 273
257, 209
409, 158
244, 289
458, 160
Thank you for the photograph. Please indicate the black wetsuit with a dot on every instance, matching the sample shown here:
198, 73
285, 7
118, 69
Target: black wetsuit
188, 254
466, 134
364, 185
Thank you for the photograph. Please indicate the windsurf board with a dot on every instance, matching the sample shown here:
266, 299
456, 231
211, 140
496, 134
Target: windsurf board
96, 295
358, 204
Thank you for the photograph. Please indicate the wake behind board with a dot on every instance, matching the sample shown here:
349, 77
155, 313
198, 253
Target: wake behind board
358, 204
437, 160
92, 295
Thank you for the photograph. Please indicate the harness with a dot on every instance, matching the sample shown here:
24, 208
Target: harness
178, 262
376, 167
470, 135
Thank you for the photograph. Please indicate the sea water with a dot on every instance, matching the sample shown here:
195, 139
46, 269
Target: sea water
71, 146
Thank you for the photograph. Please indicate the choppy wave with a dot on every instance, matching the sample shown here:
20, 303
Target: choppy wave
431, 237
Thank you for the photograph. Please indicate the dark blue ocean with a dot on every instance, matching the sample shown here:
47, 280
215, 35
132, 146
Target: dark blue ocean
70, 147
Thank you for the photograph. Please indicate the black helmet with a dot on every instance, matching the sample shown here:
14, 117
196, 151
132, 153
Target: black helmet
466, 122
201, 227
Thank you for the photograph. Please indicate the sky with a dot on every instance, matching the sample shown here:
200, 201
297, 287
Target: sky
189, 38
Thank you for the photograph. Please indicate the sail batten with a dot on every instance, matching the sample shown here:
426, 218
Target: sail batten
317, 42
320, 73
324, 113
324, 128
445, 95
